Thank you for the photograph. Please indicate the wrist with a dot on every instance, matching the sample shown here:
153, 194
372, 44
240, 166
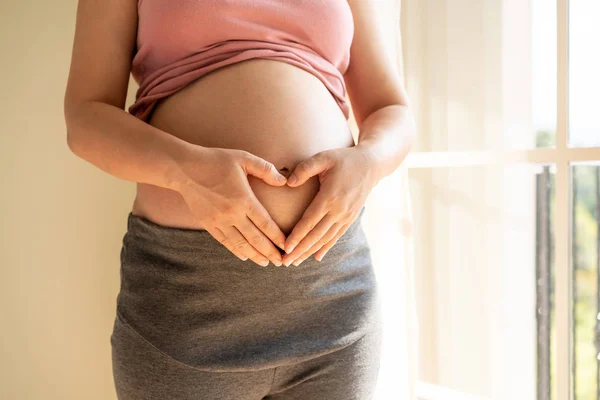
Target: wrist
180, 156
371, 160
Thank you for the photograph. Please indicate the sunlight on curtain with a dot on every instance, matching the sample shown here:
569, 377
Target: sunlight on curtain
469, 70
387, 224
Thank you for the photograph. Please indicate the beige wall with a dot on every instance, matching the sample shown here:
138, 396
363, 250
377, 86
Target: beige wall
61, 221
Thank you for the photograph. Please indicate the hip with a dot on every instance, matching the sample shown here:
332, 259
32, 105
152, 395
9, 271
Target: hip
191, 298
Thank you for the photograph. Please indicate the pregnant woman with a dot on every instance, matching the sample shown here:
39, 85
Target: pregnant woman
245, 273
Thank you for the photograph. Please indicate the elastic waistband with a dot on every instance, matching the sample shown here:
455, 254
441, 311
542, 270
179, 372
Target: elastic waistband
161, 235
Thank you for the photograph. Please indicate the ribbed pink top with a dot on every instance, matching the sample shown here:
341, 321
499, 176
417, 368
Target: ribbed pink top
179, 41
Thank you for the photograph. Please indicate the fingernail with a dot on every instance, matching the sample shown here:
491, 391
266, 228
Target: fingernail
287, 263
264, 263
292, 179
297, 262
323, 255
290, 248
277, 263
281, 178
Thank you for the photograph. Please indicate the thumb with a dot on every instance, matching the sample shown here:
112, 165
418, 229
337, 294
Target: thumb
263, 169
308, 168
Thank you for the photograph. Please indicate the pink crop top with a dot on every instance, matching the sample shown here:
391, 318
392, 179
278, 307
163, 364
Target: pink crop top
179, 41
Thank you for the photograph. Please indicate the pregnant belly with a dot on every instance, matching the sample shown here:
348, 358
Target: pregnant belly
272, 109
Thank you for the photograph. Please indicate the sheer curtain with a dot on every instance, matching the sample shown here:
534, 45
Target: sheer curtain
388, 226
469, 69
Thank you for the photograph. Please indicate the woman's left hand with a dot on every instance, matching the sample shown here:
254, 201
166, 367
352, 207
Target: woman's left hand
347, 176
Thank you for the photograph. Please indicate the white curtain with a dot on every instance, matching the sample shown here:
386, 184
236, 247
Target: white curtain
388, 226
469, 67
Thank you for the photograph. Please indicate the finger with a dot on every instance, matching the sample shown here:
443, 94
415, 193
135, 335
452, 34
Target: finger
263, 221
310, 218
313, 237
317, 246
308, 168
262, 169
241, 245
259, 241
220, 236
321, 253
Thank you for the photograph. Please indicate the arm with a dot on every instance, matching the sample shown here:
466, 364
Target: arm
380, 103
99, 130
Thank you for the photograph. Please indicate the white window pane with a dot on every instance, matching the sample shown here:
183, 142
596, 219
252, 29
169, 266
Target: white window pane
484, 273
584, 76
543, 82
481, 74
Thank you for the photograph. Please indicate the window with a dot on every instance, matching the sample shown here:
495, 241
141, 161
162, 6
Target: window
505, 187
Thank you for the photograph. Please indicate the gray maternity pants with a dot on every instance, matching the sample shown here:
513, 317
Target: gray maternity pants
195, 322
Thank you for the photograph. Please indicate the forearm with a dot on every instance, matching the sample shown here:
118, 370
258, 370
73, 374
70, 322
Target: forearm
387, 135
124, 146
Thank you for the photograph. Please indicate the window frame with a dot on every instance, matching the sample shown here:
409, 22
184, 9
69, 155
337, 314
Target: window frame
562, 156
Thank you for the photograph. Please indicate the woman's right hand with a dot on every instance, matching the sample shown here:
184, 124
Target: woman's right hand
214, 184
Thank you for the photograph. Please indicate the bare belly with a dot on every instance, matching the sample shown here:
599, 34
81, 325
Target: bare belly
272, 109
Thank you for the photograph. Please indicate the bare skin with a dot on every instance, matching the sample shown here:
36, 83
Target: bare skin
209, 157
271, 109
